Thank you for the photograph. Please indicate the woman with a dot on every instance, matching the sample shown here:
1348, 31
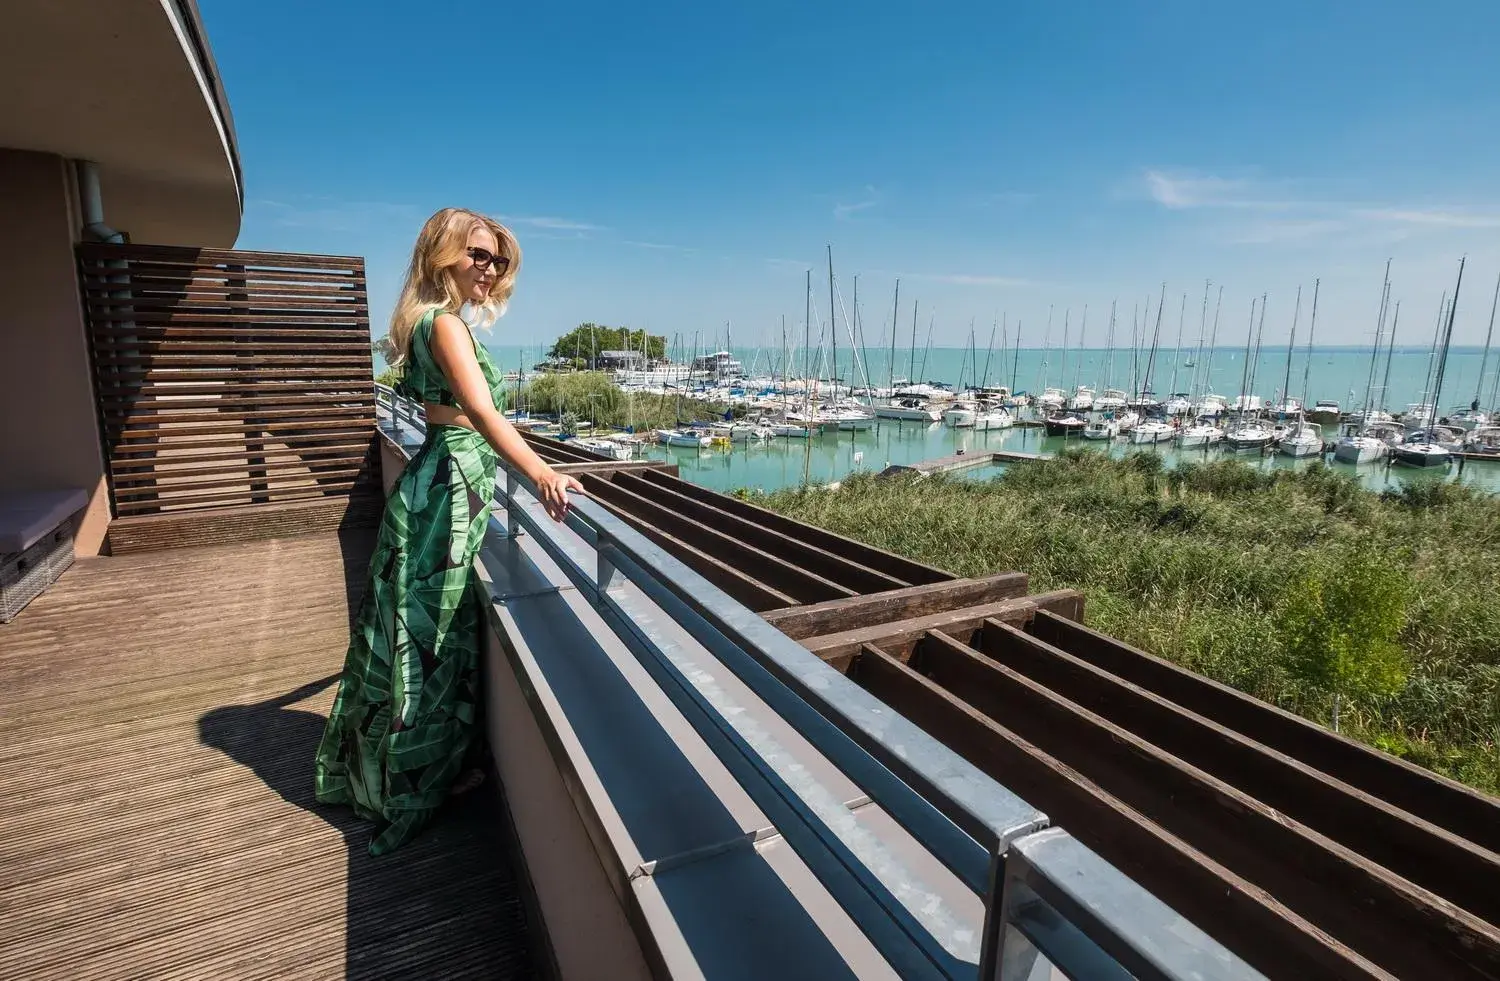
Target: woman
409, 699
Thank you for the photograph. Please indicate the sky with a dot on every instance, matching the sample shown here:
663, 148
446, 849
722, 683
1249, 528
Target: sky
679, 166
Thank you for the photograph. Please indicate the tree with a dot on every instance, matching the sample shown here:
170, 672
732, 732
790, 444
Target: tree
382, 346
581, 343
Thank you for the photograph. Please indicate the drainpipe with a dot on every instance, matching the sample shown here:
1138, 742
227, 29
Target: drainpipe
93, 204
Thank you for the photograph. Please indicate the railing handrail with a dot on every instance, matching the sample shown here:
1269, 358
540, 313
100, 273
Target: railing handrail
961, 815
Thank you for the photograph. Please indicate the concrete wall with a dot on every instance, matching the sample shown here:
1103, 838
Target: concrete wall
49, 434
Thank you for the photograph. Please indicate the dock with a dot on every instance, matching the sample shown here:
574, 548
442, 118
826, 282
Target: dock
956, 462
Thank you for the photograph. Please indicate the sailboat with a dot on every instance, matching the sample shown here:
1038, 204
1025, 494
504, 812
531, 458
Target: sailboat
1249, 433
1422, 449
1305, 438
1368, 441
1472, 417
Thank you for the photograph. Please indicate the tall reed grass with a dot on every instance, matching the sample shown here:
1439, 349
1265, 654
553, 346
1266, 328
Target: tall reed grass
1298, 587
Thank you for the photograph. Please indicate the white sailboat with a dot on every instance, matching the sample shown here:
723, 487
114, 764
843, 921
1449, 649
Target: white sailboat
1304, 439
1152, 431
679, 437
1201, 433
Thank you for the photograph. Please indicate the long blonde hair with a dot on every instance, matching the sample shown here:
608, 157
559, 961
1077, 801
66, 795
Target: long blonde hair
441, 245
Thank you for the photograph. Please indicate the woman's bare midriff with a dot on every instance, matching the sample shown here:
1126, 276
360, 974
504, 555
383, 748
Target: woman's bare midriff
446, 415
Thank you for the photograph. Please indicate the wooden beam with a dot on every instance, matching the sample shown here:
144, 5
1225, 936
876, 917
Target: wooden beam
1246, 919
1457, 870
898, 637
1446, 803
907, 570
749, 591
786, 577
838, 568
1407, 930
832, 616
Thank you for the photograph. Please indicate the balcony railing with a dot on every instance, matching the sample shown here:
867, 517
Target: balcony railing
1044, 894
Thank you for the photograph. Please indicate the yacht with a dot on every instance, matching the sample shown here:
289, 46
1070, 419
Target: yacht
1366, 445
1178, 404
1246, 403
1201, 433
791, 430
1052, 400
908, 409
1326, 405
1468, 418
1126, 421
961, 414
993, 416
604, 447
1211, 405
1304, 439
1288, 406
1483, 439
1067, 424
1419, 450
1153, 431
683, 437
1248, 434
1082, 400
1101, 428
1111, 401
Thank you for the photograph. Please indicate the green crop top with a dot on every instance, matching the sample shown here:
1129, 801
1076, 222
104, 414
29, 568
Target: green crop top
422, 379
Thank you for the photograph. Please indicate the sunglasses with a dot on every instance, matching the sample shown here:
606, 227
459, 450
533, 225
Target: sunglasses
483, 258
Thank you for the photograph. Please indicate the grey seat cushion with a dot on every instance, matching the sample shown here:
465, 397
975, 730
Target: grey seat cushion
28, 516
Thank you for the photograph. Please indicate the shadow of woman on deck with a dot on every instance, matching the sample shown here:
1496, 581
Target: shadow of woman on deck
444, 905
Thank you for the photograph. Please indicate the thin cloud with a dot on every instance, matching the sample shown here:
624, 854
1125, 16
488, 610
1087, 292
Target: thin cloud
1449, 218
658, 246
967, 279
552, 224
843, 212
1006, 199
1184, 190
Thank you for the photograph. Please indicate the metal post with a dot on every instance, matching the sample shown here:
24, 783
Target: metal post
512, 485
606, 573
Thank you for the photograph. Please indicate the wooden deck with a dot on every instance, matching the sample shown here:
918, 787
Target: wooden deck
159, 715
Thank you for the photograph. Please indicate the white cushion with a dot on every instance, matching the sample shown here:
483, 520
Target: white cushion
28, 516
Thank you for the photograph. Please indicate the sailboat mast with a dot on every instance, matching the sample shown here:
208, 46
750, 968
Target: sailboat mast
1447, 341
987, 352
1390, 350
1109, 345
833, 328
1198, 355
806, 387
1046, 349
1015, 371
1245, 368
1312, 330
1062, 375
1083, 330
911, 372
895, 313
1177, 351
1437, 333
1385, 294
1213, 342
1155, 336
1484, 361
1286, 383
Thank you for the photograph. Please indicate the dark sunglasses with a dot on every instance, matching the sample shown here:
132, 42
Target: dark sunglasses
484, 257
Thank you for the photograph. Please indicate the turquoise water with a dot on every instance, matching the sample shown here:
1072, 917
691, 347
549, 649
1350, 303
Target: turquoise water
1338, 373
778, 463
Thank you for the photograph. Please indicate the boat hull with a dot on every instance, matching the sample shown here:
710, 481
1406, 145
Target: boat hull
1421, 457
1299, 448
1359, 452
908, 415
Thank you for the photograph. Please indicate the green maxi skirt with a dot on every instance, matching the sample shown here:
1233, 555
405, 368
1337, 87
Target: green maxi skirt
408, 700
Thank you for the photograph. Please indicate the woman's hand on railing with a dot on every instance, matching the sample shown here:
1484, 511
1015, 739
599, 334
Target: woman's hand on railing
552, 487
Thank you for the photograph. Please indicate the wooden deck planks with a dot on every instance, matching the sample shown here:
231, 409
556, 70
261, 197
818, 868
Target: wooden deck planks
159, 714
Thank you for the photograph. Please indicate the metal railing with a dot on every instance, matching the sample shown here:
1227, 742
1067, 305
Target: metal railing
1044, 893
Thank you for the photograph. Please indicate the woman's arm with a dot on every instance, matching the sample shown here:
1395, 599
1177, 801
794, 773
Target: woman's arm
453, 350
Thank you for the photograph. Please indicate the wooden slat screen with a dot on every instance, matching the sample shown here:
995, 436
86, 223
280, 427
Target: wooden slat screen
229, 378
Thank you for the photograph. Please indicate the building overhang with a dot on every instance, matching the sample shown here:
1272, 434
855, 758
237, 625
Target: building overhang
132, 86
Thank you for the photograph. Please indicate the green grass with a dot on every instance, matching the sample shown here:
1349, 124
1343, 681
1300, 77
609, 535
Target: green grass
593, 395
1294, 586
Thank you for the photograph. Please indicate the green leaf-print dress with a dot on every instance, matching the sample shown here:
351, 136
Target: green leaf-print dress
408, 699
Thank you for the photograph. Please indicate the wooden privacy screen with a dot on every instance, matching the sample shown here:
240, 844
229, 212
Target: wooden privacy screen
229, 378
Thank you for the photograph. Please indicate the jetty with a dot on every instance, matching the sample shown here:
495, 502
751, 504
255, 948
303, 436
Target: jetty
956, 462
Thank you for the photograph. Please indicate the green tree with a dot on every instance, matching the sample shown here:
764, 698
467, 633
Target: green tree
384, 348
580, 343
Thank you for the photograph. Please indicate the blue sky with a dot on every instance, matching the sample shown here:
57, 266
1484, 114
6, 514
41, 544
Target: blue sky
676, 165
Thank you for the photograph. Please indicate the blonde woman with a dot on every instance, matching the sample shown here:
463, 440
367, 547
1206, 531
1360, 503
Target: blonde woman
405, 716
